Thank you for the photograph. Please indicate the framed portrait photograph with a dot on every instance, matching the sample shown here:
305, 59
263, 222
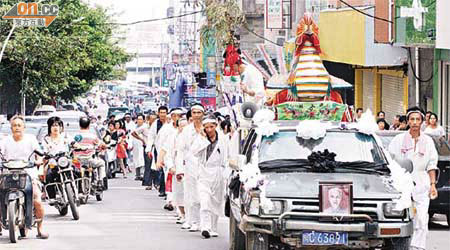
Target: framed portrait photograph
336, 198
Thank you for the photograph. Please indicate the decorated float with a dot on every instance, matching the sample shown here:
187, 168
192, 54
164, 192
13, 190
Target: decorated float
298, 86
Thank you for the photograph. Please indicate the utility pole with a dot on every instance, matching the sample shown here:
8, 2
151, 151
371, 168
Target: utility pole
161, 67
6, 41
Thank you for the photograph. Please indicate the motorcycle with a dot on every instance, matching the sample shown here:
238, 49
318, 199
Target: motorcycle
112, 168
89, 182
16, 197
64, 184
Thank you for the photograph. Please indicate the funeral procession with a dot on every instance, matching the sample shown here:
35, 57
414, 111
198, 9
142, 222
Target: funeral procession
224, 124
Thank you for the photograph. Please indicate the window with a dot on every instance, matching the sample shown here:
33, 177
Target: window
286, 145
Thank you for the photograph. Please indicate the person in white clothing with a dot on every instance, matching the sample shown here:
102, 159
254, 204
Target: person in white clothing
420, 149
252, 84
178, 188
433, 128
191, 197
20, 146
166, 156
211, 147
138, 149
153, 146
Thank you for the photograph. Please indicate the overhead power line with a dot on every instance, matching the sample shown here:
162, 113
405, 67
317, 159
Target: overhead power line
364, 13
145, 21
414, 71
260, 36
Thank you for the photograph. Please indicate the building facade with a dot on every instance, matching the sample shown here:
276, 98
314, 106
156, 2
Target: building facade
441, 83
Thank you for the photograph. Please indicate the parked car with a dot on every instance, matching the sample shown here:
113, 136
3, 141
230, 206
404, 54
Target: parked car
44, 110
301, 215
118, 111
441, 205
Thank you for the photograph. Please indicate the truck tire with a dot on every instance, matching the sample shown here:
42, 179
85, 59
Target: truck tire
397, 244
237, 238
448, 219
256, 241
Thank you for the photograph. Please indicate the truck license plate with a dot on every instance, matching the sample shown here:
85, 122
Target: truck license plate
315, 238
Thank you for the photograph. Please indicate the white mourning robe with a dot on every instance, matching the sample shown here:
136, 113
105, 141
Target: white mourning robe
424, 156
211, 185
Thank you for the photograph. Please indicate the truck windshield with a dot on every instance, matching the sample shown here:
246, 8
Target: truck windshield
348, 147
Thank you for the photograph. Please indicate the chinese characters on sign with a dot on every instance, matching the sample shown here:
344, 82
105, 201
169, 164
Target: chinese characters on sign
274, 14
32, 14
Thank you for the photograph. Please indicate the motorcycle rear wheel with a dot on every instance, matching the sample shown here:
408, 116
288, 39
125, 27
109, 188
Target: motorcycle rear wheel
13, 227
71, 199
63, 210
105, 183
99, 196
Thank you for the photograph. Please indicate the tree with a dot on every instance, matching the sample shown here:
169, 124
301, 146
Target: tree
63, 60
223, 18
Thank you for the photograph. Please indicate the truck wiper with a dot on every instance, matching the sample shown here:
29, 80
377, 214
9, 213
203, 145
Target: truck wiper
285, 164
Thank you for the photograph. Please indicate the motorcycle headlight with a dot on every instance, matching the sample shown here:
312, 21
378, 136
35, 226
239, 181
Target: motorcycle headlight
390, 211
63, 161
276, 209
253, 208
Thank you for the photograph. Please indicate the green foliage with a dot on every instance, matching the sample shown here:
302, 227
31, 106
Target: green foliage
413, 36
223, 18
65, 59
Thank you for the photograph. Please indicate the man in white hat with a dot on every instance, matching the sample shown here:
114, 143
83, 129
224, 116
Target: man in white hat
166, 156
191, 197
211, 147
419, 148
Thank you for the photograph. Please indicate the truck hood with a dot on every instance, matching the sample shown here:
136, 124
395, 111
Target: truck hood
306, 185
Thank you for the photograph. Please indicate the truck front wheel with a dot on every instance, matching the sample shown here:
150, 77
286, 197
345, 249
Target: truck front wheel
397, 244
237, 238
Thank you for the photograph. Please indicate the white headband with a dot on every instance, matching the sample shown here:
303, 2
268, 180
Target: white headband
415, 111
177, 112
209, 120
198, 107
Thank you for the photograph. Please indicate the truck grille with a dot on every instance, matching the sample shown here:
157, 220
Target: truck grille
312, 206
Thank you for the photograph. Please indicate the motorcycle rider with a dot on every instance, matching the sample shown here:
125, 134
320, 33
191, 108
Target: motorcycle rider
54, 142
88, 140
20, 146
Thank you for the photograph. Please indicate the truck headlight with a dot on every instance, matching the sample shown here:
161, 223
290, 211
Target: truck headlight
277, 209
253, 207
390, 211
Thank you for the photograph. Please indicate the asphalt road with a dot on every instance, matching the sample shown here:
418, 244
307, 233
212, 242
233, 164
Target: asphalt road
132, 218
129, 218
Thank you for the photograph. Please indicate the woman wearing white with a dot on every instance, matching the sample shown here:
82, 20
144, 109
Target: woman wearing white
433, 128
53, 143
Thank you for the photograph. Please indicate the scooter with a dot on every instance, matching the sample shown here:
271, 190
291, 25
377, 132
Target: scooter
16, 197
112, 168
60, 167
